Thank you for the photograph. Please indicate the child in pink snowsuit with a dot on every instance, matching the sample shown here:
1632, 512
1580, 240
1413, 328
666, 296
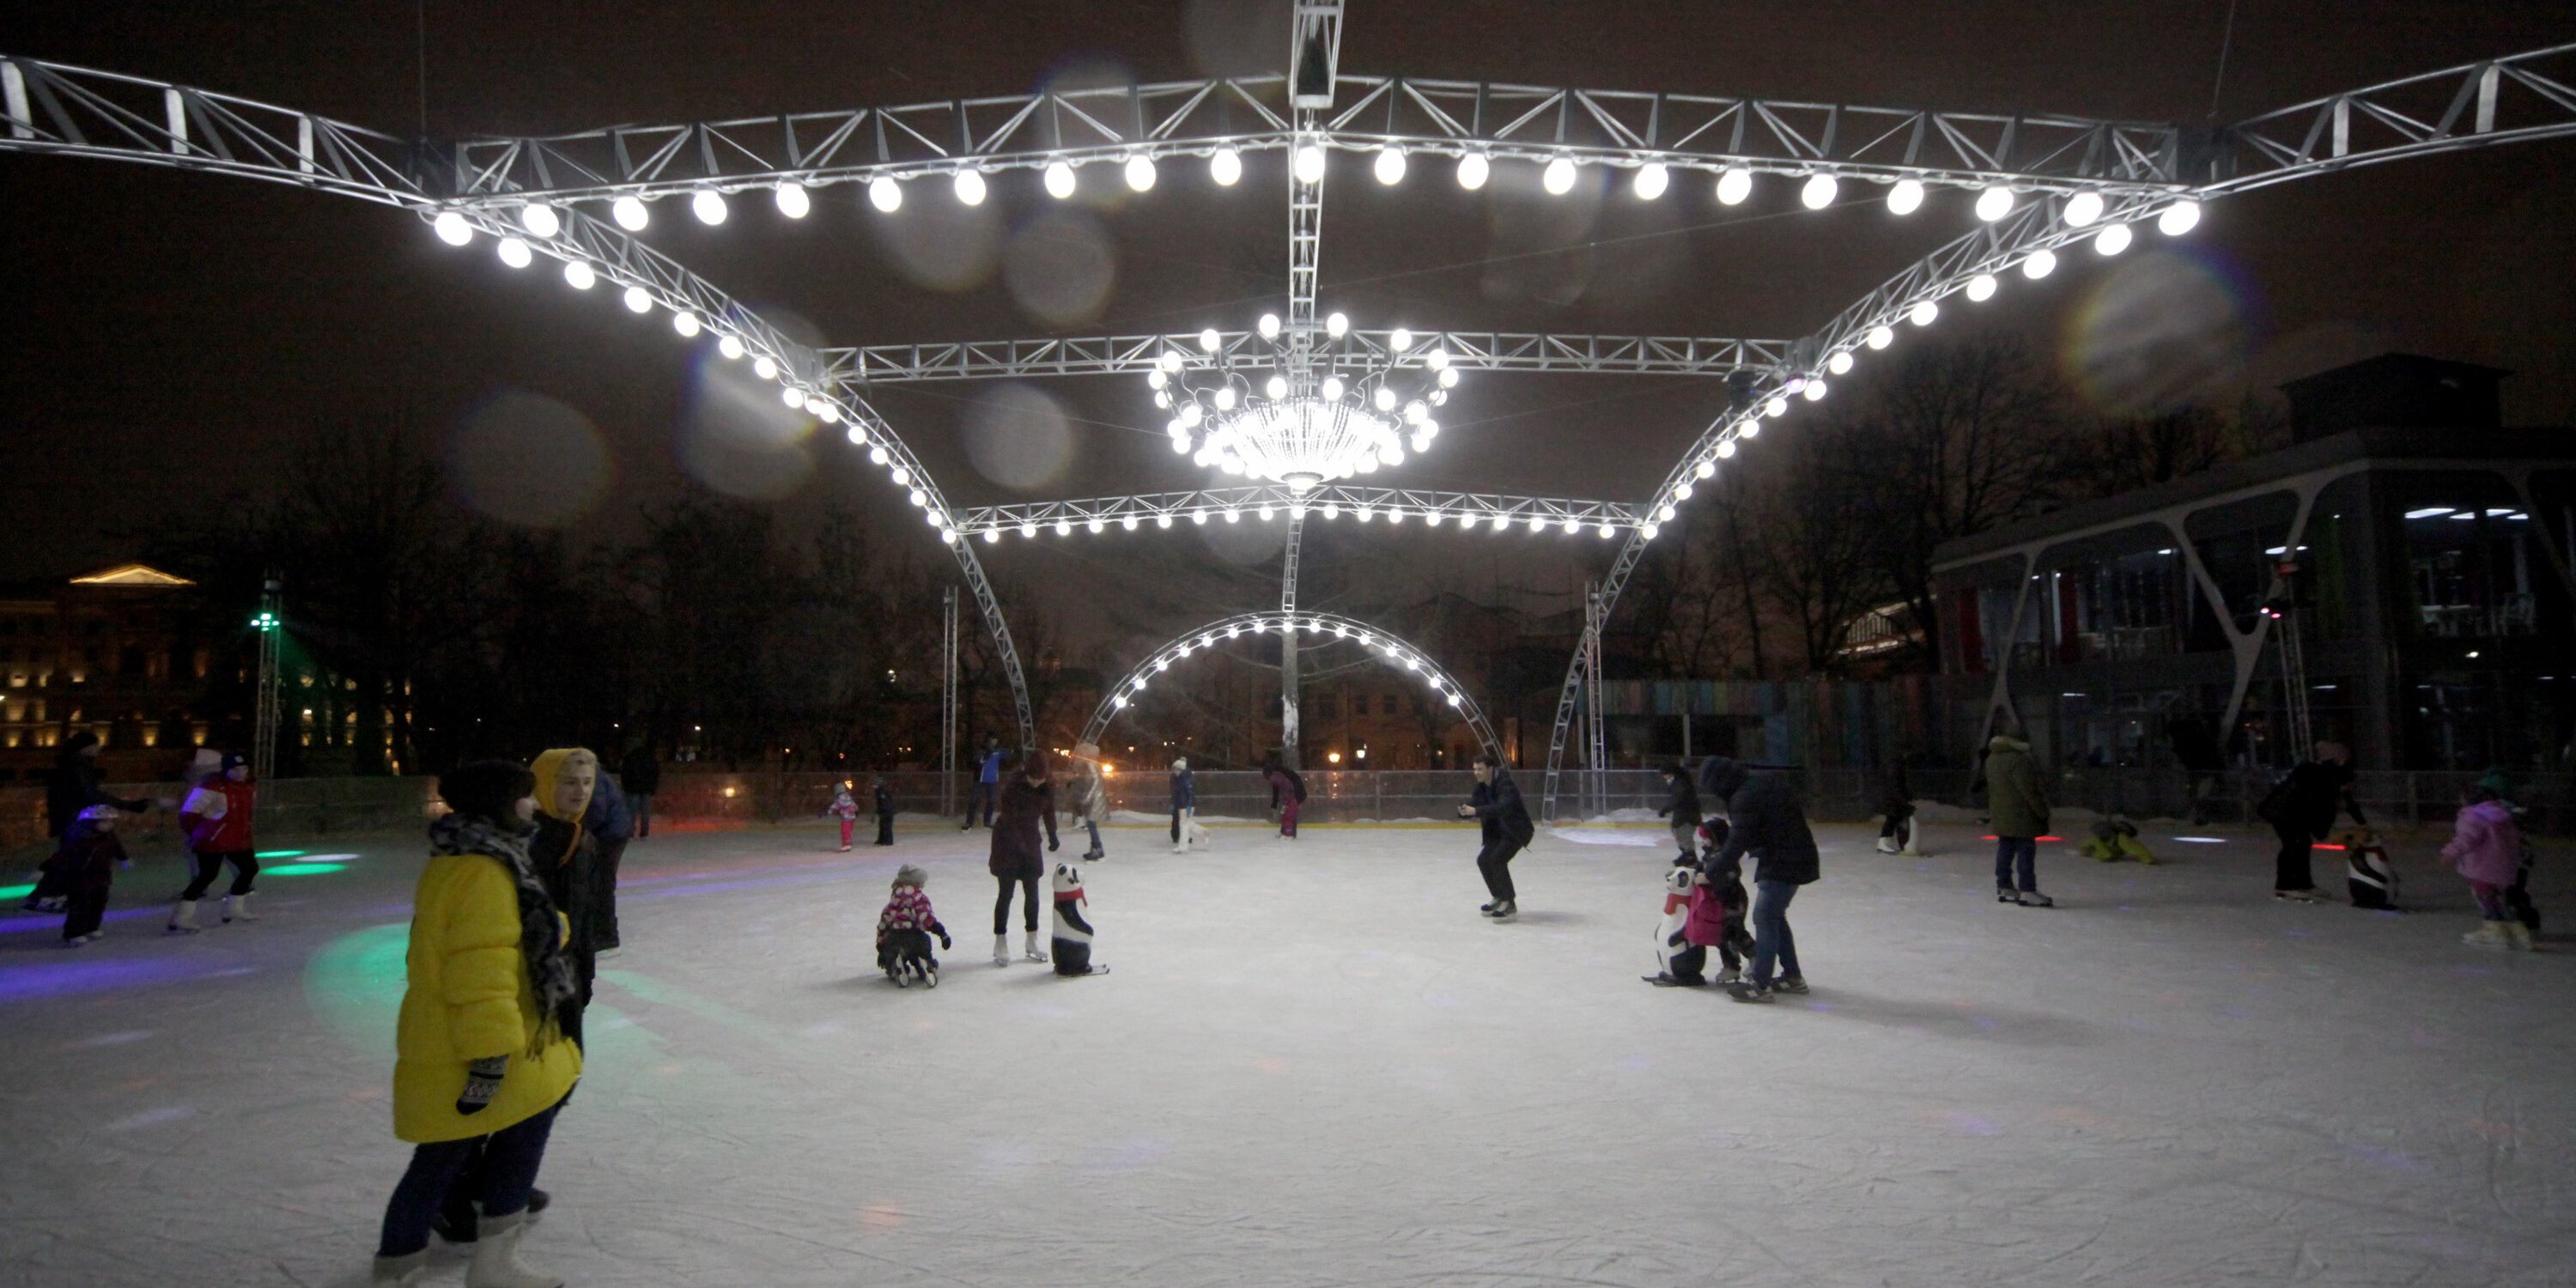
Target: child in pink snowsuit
904, 930
2486, 848
847, 810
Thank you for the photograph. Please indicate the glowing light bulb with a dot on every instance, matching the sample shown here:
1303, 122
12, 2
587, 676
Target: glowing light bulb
2179, 218
686, 323
1778, 406
969, 186
1399, 340
2040, 264
1336, 324
1904, 197
1437, 360
515, 253
1994, 203
1981, 288
1225, 398
1705, 469
1558, 178
1332, 388
1818, 192
885, 194
1390, 166
792, 396
1309, 163
1384, 398
1840, 363
1226, 167
1880, 337
2111, 240
540, 219
1276, 387
629, 213
1815, 391
1923, 313
1649, 531
1652, 178
1269, 326
766, 369
579, 276
1473, 170
2083, 208
639, 300
791, 199
452, 228
1060, 182
709, 206
1734, 185
1724, 450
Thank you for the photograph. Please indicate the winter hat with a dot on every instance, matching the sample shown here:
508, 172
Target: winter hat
910, 874
231, 760
1180, 763
96, 812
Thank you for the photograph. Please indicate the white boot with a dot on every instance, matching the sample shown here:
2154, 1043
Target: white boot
2517, 936
1001, 950
1035, 953
2489, 934
237, 908
183, 919
1886, 845
401, 1270
496, 1257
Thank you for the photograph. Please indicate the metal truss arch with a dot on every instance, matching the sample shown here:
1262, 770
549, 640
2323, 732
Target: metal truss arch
1392, 649
1245, 350
1267, 502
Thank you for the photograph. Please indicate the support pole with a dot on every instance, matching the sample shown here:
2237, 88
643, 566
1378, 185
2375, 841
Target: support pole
948, 701
1289, 735
263, 755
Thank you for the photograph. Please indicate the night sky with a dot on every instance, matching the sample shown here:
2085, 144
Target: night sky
168, 332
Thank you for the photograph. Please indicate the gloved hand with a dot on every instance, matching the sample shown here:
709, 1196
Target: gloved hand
943, 940
1054, 845
482, 1082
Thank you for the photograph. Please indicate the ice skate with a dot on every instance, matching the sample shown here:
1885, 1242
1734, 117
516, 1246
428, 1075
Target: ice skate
1789, 984
237, 908
1748, 991
1731, 975
902, 976
845, 849
496, 1261
2034, 899
930, 974
1886, 845
2489, 934
1032, 951
2309, 895
1667, 979
2518, 937
404, 1270
2006, 895
1001, 950
183, 918
78, 941
1505, 910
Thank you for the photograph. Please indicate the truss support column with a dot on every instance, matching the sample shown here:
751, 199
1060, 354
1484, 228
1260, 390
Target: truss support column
1305, 256
948, 701
1289, 733
263, 755
1606, 595
1596, 788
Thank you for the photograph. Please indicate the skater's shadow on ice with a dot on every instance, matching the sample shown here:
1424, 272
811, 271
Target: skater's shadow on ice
1550, 917
1956, 1020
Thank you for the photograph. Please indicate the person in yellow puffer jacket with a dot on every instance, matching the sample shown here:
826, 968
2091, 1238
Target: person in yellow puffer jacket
481, 1063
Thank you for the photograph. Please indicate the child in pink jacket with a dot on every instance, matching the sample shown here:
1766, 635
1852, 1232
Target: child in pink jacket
2486, 848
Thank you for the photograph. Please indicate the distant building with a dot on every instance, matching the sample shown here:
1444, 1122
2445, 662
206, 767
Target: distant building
2397, 579
115, 652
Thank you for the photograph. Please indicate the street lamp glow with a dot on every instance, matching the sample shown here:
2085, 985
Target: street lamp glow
452, 228
539, 219
885, 194
1059, 180
1818, 192
2179, 218
2111, 240
1208, 340
709, 206
1905, 197
1309, 163
1473, 170
2040, 264
578, 275
1390, 165
1268, 326
1226, 167
1994, 203
1558, 178
1734, 186
629, 213
639, 300
791, 199
2082, 209
1652, 178
1981, 288
969, 186
1140, 173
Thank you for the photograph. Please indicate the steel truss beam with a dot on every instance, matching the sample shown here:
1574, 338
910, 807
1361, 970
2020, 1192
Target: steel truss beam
1271, 502
1391, 648
2043, 152
2526, 96
92, 114
1467, 350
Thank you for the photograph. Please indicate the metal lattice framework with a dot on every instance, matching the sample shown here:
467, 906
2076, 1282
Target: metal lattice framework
2116, 174
1263, 504
1390, 648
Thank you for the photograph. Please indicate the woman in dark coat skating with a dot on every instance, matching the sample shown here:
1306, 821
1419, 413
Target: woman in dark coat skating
1027, 803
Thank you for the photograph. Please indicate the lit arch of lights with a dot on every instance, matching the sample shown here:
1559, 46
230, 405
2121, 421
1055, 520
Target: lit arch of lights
1390, 649
2043, 185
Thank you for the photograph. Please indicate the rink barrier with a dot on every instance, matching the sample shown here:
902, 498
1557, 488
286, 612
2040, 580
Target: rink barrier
693, 800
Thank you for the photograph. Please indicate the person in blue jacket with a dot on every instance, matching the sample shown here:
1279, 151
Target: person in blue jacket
988, 786
1186, 831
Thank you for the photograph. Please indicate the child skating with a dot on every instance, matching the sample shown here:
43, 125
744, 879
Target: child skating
904, 930
2486, 850
845, 808
91, 855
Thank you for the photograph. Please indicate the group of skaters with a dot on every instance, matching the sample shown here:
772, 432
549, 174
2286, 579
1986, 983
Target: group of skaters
1723, 814
82, 818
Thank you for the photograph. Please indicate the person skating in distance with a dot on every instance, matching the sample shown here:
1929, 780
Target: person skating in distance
1505, 823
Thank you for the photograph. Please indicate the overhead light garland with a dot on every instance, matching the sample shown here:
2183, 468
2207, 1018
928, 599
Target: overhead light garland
1319, 412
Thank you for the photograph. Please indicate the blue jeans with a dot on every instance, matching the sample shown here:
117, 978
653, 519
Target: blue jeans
1772, 941
510, 1158
2021, 851
1094, 829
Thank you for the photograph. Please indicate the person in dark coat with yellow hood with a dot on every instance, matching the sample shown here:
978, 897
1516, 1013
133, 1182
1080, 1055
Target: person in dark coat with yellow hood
567, 859
1027, 802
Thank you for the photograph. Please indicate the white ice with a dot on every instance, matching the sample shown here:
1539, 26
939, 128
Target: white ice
1315, 1065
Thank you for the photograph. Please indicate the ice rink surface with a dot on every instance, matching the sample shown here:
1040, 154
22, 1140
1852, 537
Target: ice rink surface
1316, 1065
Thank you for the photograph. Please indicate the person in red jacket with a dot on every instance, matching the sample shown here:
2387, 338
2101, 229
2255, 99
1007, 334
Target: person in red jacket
216, 820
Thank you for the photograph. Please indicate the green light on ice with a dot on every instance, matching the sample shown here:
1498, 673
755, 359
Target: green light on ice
303, 869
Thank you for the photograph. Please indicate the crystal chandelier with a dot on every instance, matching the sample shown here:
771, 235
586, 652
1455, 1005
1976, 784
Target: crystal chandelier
1328, 405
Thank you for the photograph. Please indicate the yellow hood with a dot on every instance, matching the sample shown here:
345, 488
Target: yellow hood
549, 767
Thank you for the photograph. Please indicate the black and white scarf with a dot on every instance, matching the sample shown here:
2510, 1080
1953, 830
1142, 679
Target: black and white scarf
541, 935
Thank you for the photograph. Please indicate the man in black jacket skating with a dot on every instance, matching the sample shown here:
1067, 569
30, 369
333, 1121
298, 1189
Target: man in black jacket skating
1506, 826
1767, 825
1682, 806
